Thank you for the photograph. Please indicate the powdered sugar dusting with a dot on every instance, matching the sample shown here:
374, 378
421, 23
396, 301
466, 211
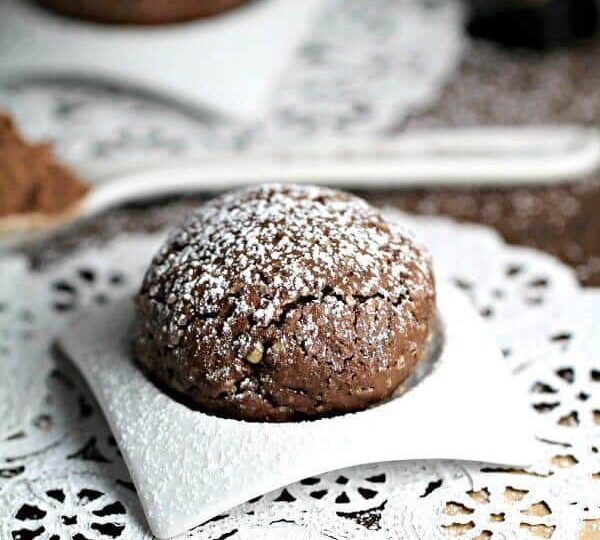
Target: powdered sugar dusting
244, 262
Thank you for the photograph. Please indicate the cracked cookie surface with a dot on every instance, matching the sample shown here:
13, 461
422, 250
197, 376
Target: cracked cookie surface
278, 303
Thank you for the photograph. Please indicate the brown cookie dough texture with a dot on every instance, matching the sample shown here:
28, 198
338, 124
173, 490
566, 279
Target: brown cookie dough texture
280, 303
141, 11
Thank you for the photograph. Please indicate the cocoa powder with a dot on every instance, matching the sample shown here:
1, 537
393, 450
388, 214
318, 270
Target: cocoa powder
31, 177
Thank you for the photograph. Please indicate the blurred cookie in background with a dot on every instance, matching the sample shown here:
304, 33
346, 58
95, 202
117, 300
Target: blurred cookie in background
140, 11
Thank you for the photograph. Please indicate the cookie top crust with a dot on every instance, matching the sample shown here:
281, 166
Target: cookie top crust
221, 294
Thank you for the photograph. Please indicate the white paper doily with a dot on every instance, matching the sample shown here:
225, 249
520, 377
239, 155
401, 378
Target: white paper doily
189, 466
364, 66
61, 473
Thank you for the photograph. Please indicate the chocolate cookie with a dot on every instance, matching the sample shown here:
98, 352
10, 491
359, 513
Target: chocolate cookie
279, 303
140, 11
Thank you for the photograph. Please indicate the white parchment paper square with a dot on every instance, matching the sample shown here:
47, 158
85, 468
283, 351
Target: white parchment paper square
231, 62
188, 466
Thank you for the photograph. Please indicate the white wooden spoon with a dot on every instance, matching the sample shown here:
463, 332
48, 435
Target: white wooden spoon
458, 156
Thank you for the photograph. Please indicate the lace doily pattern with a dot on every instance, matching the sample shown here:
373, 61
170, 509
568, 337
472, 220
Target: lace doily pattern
347, 78
61, 475
365, 67
91, 121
